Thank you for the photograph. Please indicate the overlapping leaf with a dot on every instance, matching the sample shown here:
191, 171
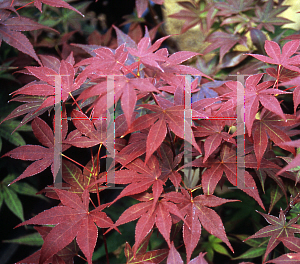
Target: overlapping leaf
212, 130
197, 213
73, 219
255, 93
267, 16
278, 228
194, 14
65, 255
283, 59
270, 126
226, 163
43, 156
166, 114
149, 213
141, 255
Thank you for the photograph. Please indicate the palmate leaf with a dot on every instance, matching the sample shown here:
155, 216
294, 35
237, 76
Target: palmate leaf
142, 256
255, 93
296, 161
64, 256
145, 52
270, 125
277, 229
293, 244
194, 14
10, 27
48, 81
166, 114
73, 219
267, 16
149, 213
212, 130
224, 41
43, 156
77, 181
140, 177
228, 164
196, 209
283, 59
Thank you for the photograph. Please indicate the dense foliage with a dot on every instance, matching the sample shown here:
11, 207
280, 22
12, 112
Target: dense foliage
140, 152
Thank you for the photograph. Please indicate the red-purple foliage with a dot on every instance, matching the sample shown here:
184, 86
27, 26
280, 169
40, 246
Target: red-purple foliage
148, 136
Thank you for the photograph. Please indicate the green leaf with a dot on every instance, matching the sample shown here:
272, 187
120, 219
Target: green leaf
31, 240
13, 202
8, 179
252, 242
252, 253
220, 249
14, 138
26, 189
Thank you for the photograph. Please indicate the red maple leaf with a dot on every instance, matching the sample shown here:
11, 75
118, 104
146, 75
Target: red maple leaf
89, 132
166, 114
255, 93
224, 41
278, 228
197, 213
227, 162
55, 3
194, 14
43, 156
10, 28
142, 256
145, 52
106, 62
140, 177
212, 130
125, 89
283, 59
72, 219
76, 180
269, 125
64, 256
150, 212
172, 70
48, 82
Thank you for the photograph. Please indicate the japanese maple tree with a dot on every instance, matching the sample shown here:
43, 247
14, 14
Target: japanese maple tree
151, 138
